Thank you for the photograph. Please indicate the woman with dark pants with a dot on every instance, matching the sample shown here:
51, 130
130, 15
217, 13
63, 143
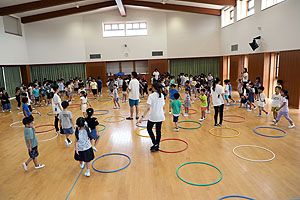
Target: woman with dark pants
56, 106
217, 99
156, 104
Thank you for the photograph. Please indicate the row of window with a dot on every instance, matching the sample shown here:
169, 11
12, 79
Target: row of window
244, 9
124, 29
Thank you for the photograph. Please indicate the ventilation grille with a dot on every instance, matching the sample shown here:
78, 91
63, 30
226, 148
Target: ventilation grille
157, 53
95, 56
234, 47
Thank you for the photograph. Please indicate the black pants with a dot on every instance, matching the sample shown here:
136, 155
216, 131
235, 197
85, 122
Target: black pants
56, 120
219, 109
18, 98
158, 131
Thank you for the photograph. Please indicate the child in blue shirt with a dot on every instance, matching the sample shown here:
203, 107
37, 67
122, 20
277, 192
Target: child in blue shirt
172, 91
230, 90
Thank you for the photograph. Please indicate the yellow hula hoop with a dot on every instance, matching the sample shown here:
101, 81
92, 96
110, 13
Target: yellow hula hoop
231, 136
4, 115
109, 117
138, 132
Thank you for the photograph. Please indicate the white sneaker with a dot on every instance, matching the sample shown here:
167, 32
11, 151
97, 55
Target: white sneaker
115, 107
170, 113
70, 142
87, 173
82, 165
291, 126
176, 129
24, 166
201, 119
254, 108
18, 108
274, 123
258, 115
268, 114
249, 110
208, 111
40, 166
66, 143
94, 148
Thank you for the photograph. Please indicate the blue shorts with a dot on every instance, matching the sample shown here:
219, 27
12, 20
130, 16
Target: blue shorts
116, 99
94, 134
6, 106
175, 118
226, 97
133, 102
67, 131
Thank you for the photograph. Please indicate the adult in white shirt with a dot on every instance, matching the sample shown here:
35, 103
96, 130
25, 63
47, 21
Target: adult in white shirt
56, 106
155, 105
134, 93
217, 99
156, 74
245, 78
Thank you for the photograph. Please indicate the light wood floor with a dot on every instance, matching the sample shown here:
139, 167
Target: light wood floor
153, 175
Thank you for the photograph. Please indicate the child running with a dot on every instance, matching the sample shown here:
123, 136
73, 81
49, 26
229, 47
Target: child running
124, 90
116, 97
84, 103
92, 124
66, 122
203, 99
172, 97
177, 107
261, 101
187, 102
276, 100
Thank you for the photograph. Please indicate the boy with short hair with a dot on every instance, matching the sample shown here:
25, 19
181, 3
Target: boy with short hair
26, 109
172, 92
177, 108
226, 89
203, 100
66, 123
276, 102
32, 143
261, 101
116, 97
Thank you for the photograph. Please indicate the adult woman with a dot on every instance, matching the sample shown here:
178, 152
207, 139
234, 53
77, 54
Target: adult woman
156, 104
217, 99
245, 78
156, 74
56, 106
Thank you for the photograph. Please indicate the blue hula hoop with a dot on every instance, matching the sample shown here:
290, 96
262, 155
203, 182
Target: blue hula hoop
236, 196
121, 154
254, 130
144, 120
91, 98
106, 112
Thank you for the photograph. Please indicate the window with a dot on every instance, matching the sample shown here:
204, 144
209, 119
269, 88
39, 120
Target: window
227, 16
245, 9
141, 67
124, 29
268, 3
112, 68
12, 25
127, 67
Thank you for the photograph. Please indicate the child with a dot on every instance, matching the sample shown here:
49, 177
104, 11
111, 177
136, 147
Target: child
276, 100
210, 78
240, 87
99, 83
203, 99
110, 87
94, 87
36, 94
32, 143
124, 91
207, 93
48, 94
194, 82
284, 109
226, 89
172, 92
243, 101
145, 88
280, 84
5, 101
42, 95
261, 101
92, 124
251, 97
257, 84
69, 91
84, 103
230, 91
25, 108
66, 122
116, 97
83, 147
18, 97
177, 107
187, 102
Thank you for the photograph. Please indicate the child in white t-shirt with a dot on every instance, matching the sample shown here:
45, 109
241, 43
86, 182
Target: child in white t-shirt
226, 89
261, 101
84, 103
276, 101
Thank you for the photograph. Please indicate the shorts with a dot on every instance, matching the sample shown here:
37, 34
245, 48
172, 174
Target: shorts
94, 91
94, 134
116, 99
124, 92
48, 96
83, 108
256, 90
67, 131
99, 89
260, 107
274, 109
33, 153
175, 118
37, 98
6, 106
226, 97
203, 108
133, 102
76, 89
229, 97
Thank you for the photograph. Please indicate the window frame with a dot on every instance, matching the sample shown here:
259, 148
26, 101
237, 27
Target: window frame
125, 29
274, 3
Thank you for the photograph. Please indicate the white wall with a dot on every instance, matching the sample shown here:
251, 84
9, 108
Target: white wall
12, 47
280, 29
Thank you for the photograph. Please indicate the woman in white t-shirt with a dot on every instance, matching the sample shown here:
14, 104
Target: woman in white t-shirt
156, 104
156, 74
245, 78
217, 99
56, 106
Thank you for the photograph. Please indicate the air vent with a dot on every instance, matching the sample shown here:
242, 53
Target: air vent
95, 56
234, 47
157, 53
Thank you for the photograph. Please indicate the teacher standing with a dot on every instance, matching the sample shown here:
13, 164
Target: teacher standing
217, 99
134, 95
156, 74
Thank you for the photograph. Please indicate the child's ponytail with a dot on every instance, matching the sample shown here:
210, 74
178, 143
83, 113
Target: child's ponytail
286, 93
157, 88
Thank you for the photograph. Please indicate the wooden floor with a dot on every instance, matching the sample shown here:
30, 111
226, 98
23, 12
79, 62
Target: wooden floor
153, 175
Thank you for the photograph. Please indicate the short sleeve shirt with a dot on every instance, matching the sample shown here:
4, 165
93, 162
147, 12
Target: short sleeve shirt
29, 134
204, 102
172, 92
176, 104
94, 85
55, 101
156, 107
134, 89
216, 96
66, 116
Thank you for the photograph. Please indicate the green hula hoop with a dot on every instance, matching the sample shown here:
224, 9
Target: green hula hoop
50, 113
200, 125
197, 184
102, 126
104, 99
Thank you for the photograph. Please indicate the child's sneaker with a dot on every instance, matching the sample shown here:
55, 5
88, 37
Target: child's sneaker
255, 108
170, 112
274, 123
119, 107
95, 149
268, 114
70, 142
291, 126
208, 112
67, 143
201, 119
249, 110
39, 113
40, 166
258, 115
87, 173
82, 165
115, 107
176, 129
24, 166
18, 108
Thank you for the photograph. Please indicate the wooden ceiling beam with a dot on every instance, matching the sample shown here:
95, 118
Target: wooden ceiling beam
214, 2
174, 7
35, 5
65, 12
121, 8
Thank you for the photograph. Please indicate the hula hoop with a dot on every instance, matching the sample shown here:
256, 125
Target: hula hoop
45, 130
226, 108
7, 120
196, 184
241, 117
164, 151
102, 126
239, 196
20, 113
91, 98
231, 136
50, 113
106, 112
140, 126
271, 136
139, 130
121, 154
13, 125
105, 119
74, 105
251, 159
104, 99
4, 115
195, 111
192, 122
56, 135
